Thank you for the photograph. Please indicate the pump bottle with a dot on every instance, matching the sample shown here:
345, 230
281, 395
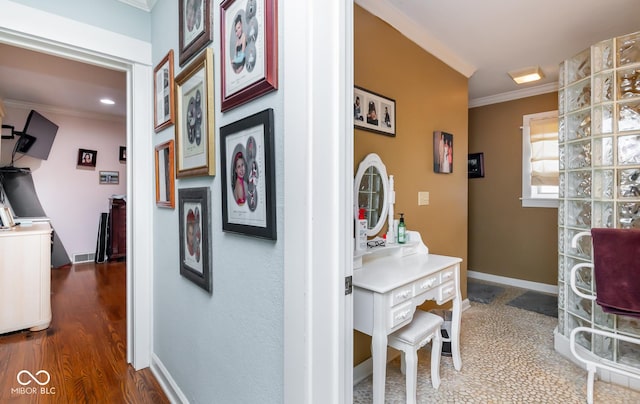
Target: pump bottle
402, 230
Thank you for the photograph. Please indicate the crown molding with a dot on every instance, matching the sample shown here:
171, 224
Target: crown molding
417, 34
146, 5
514, 95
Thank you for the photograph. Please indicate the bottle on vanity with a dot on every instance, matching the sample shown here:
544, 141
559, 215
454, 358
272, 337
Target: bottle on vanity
361, 231
402, 230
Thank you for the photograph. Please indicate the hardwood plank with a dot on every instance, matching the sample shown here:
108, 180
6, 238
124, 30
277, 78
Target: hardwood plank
83, 350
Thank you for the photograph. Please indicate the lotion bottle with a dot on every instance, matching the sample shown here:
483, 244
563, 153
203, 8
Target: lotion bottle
402, 230
361, 228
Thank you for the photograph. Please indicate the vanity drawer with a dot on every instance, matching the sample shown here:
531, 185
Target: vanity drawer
401, 314
401, 294
426, 284
446, 291
448, 274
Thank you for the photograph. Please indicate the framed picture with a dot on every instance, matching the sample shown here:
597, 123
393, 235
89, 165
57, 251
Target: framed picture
442, 152
109, 177
194, 118
374, 112
122, 154
248, 176
163, 85
248, 33
476, 165
195, 26
87, 158
194, 223
165, 175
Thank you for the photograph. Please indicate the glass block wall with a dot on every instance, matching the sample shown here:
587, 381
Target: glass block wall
599, 140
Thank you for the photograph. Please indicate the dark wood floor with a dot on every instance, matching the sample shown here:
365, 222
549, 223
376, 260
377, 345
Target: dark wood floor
84, 349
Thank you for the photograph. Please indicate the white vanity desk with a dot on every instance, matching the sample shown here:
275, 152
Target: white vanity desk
388, 288
391, 281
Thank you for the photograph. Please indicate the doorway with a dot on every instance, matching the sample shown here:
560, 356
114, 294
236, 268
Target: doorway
68, 39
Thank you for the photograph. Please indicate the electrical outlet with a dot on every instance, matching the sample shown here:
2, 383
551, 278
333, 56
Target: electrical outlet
423, 198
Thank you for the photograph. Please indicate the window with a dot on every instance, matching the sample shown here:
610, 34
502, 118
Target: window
540, 163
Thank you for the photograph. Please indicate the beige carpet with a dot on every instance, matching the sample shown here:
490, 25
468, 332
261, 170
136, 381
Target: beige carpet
507, 357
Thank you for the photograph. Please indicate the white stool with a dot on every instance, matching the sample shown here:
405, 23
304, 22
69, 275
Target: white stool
423, 328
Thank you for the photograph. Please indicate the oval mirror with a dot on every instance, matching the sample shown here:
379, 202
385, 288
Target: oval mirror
371, 193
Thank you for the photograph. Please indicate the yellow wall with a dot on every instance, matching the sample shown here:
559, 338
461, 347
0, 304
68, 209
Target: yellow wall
429, 96
501, 231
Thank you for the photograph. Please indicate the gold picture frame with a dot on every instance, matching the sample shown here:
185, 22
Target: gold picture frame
195, 130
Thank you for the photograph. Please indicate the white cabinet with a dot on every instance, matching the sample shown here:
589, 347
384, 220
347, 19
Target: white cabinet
25, 278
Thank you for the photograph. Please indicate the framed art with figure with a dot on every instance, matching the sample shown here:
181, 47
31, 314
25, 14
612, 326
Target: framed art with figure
442, 152
373, 112
87, 158
249, 61
195, 27
194, 223
476, 165
163, 85
194, 118
248, 176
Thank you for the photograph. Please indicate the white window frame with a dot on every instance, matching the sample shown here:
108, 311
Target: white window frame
530, 197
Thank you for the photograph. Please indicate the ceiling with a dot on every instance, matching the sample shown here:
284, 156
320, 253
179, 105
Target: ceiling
483, 40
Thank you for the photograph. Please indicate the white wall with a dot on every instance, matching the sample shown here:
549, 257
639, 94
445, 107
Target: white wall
72, 196
226, 347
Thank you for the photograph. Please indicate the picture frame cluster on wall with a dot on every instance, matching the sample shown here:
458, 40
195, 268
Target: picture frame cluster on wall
249, 69
374, 112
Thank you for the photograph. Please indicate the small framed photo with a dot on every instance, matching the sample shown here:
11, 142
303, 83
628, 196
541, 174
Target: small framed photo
195, 118
87, 158
442, 152
374, 112
248, 176
249, 60
476, 165
163, 89
195, 26
122, 154
109, 177
165, 175
194, 222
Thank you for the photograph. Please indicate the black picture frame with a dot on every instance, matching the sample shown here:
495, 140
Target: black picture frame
374, 112
87, 158
122, 154
249, 200
195, 26
194, 225
476, 165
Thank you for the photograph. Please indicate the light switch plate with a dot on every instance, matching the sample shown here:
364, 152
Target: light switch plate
423, 198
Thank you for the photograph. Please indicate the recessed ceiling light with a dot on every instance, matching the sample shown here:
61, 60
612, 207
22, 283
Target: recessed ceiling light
526, 75
107, 101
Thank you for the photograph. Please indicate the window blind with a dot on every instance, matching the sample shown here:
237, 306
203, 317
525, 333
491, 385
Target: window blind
544, 151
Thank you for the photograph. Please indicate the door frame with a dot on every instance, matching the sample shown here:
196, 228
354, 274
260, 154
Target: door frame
40, 31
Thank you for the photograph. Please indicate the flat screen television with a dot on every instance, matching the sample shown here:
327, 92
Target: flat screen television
37, 137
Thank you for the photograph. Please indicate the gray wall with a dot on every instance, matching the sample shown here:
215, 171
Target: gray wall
226, 347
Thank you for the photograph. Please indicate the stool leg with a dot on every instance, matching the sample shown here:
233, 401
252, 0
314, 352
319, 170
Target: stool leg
403, 363
411, 360
436, 347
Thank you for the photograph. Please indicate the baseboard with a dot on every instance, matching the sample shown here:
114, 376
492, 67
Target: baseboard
519, 283
169, 386
365, 368
466, 304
